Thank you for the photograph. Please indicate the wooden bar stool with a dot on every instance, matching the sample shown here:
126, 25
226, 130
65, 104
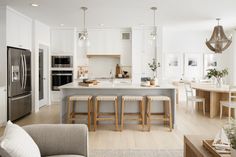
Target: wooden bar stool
167, 108
71, 105
140, 114
98, 116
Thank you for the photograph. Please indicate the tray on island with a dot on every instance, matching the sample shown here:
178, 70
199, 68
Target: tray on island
208, 145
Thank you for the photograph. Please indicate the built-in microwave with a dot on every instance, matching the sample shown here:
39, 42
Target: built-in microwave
62, 61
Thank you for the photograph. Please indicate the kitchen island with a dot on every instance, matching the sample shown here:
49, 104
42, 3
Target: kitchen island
117, 89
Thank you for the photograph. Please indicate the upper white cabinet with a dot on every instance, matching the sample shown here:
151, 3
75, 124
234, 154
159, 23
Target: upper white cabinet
62, 41
111, 42
104, 41
19, 30
3, 106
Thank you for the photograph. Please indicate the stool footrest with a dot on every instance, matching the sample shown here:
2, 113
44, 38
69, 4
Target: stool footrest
105, 114
105, 119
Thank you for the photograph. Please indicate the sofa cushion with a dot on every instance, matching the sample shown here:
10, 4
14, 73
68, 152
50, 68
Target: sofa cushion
16, 142
66, 156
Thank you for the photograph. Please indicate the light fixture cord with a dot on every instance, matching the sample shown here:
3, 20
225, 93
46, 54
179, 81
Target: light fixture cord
84, 20
154, 17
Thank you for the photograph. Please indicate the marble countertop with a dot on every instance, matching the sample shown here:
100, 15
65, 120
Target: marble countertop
110, 85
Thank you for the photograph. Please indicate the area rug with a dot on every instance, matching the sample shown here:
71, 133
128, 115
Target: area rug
136, 153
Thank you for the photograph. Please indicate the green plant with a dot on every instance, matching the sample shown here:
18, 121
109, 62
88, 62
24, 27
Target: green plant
217, 73
154, 65
230, 130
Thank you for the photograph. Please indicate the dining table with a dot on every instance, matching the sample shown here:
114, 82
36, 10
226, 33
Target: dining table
213, 94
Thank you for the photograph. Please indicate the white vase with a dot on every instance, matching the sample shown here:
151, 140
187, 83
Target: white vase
156, 81
233, 152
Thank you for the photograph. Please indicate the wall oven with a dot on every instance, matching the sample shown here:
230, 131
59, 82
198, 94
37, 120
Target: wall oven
62, 61
60, 78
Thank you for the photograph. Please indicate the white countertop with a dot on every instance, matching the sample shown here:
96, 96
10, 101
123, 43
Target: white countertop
110, 85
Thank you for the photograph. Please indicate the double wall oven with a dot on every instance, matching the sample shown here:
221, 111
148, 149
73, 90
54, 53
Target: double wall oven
60, 73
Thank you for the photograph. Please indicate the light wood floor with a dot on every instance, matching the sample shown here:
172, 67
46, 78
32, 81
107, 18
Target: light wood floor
131, 138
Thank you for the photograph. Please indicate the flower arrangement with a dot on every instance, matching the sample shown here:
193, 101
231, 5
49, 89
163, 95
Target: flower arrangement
153, 66
217, 73
230, 130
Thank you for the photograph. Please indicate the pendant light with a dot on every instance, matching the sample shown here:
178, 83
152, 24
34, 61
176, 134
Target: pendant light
218, 42
83, 36
154, 32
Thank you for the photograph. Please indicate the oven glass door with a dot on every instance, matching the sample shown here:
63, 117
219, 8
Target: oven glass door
59, 79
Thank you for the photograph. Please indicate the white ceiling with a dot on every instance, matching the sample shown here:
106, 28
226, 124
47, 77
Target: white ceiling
126, 13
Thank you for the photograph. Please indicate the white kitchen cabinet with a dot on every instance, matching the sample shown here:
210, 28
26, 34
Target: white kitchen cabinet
19, 30
104, 41
3, 106
62, 41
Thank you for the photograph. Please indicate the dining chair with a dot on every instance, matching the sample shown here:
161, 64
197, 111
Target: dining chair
231, 103
191, 98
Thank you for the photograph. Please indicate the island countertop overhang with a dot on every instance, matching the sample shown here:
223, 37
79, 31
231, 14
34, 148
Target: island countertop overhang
75, 85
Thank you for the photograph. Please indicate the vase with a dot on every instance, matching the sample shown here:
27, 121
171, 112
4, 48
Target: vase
233, 152
153, 82
219, 82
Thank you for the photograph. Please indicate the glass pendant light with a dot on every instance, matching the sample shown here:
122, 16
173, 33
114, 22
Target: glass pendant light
218, 41
154, 32
83, 36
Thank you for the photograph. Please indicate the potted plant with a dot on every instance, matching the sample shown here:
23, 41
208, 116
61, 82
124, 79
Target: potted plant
153, 66
230, 130
218, 75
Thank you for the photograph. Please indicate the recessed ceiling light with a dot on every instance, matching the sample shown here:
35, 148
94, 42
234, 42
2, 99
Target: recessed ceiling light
61, 24
35, 5
101, 25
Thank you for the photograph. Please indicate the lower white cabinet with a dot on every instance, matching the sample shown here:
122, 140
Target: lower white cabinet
3, 106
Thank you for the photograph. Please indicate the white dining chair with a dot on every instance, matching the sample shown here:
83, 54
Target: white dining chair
231, 103
193, 99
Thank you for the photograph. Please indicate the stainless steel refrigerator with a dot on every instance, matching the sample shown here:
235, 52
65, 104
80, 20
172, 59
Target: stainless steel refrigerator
19, 83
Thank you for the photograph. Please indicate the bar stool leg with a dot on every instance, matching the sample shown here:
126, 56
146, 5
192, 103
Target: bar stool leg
95, 114
73, 111
116, 114
142, 112
89, 110
68, 111
149, 114
122, 114
170, 115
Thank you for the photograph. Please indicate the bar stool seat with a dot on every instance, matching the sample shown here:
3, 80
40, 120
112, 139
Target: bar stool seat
141, 112
80, 97
71, 105
106, 98
167, 104
158, 98
99, 116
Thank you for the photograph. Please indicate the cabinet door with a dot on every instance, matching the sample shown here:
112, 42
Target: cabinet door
3, 106
12, 29
25, 38
19, 30
62, 41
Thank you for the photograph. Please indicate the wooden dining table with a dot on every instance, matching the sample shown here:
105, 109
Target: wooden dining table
213, 95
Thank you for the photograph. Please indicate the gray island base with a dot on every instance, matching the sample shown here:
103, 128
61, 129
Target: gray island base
121, 89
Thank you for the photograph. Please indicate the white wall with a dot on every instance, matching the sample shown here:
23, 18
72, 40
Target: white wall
234, 58
3, 48
41, 35
182, 41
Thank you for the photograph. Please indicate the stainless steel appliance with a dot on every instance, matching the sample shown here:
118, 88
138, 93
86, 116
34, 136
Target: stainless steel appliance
62, 61
19, 83
60, 78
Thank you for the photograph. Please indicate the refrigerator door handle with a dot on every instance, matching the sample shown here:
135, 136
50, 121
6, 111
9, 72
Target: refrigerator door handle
25, 74
21, 97
23, 71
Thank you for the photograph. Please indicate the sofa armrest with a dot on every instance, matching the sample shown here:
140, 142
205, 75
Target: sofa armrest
59, 139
